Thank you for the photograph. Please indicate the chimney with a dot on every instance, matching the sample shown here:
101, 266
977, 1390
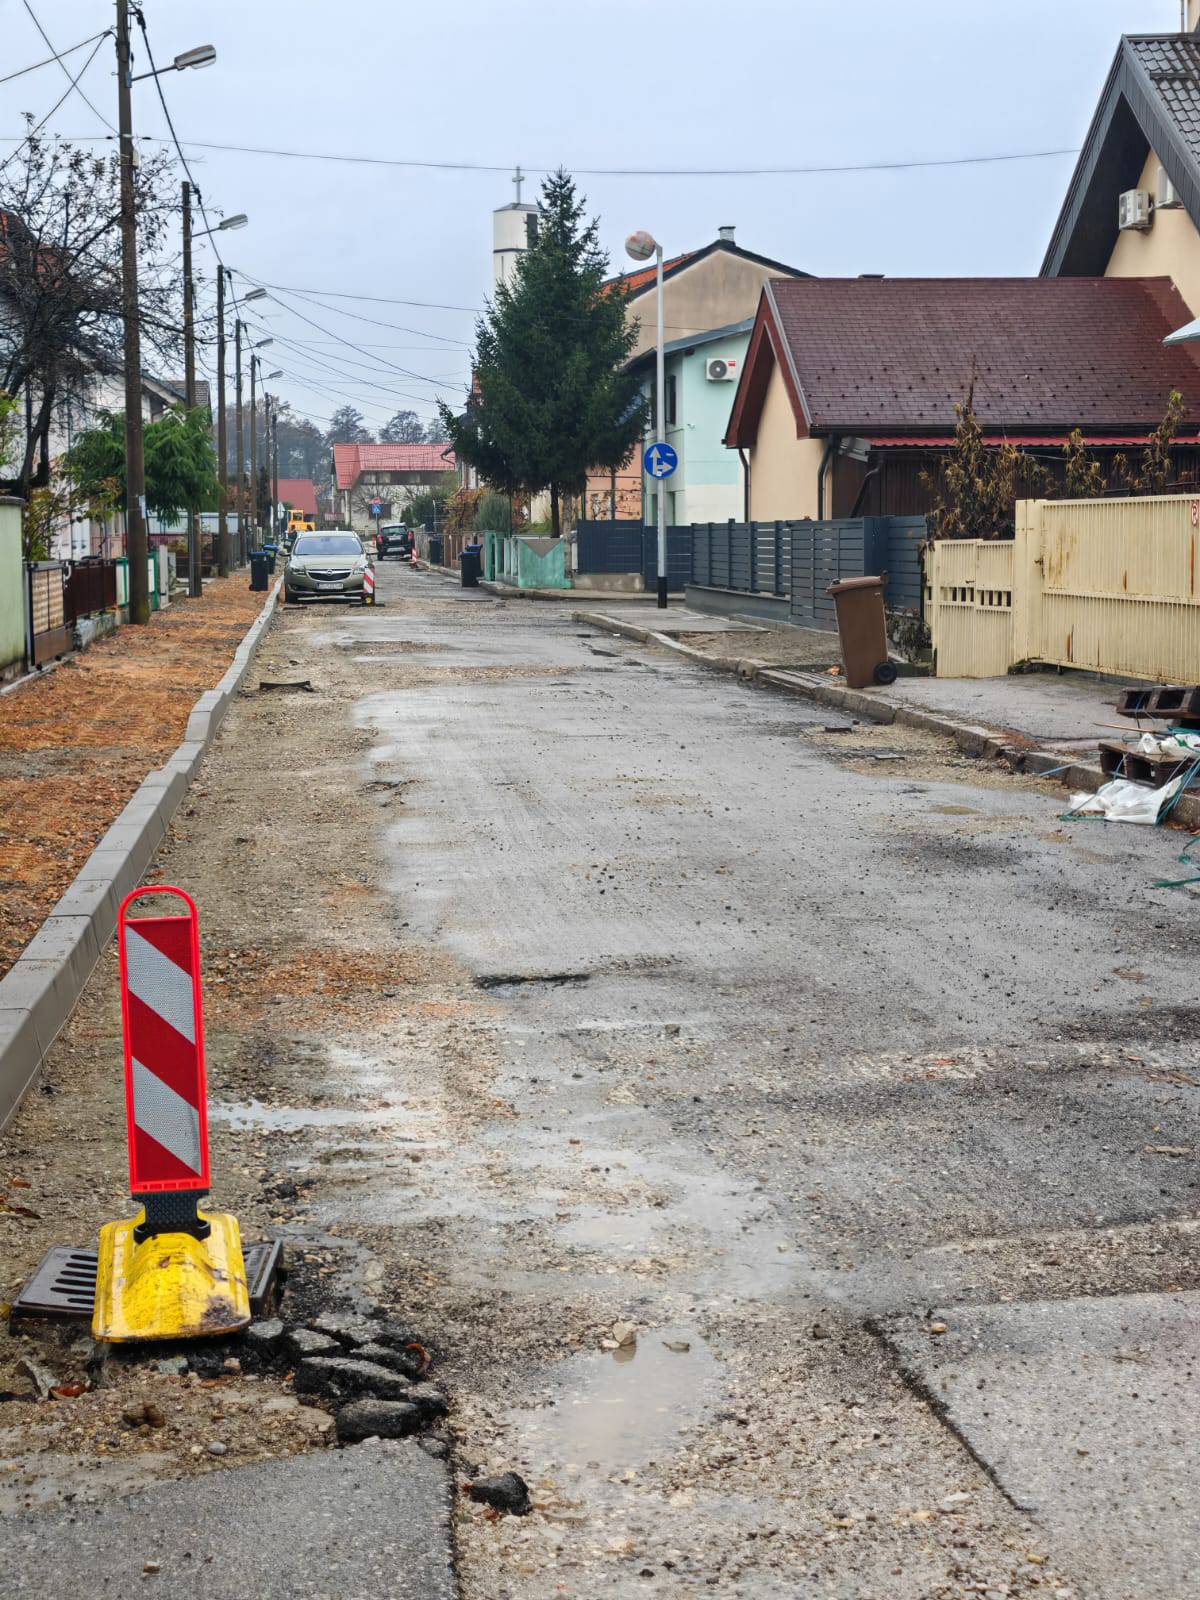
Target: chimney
727, 231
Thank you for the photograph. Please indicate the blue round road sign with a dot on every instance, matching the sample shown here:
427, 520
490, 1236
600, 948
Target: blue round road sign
660, 460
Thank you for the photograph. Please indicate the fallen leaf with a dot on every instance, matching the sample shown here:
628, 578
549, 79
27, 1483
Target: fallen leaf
69, 1391
426, 1358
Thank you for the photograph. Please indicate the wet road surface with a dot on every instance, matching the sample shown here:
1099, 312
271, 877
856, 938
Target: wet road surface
792, 1048
783, 1138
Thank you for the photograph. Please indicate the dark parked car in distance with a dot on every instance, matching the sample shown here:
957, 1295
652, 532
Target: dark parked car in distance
394, 539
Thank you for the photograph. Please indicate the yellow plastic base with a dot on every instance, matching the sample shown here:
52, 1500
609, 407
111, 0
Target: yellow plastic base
172, 1286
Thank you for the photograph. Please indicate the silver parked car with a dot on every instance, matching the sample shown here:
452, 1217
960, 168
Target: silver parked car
326, 566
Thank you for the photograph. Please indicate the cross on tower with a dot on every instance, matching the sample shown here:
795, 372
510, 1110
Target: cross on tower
518, 179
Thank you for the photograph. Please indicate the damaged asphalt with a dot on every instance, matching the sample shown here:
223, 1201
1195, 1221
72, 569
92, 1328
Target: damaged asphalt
555, 992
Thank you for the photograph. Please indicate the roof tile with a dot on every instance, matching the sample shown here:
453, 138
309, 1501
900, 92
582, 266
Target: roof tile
1047, 353
350, 461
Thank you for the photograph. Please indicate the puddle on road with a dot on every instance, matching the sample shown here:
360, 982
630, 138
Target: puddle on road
612, 1411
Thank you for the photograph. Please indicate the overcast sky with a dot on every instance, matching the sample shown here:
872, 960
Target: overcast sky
626, 83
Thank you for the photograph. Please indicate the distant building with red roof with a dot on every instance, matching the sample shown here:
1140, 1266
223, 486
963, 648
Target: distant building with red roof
389, 475
300, 494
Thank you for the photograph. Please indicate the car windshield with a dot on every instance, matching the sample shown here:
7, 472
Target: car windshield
327, 544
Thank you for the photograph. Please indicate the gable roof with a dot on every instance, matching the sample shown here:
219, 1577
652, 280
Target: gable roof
638, 282
350, 461
691, 340
871, 356
300, 493
1150, 100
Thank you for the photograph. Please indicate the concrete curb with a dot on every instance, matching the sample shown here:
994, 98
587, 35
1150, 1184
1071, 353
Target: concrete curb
43, 985
873, 706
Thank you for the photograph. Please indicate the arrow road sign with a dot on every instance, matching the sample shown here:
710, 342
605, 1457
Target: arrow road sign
660, 460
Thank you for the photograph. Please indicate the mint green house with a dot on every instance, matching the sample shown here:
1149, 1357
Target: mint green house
701, 380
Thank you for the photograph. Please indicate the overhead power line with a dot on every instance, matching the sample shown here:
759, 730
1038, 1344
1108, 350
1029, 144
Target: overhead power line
379, 299
59, 56
41, 123
398, 327
913, 164
74, 84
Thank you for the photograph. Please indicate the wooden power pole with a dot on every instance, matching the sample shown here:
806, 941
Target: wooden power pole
195, 587
136, 543
223, 561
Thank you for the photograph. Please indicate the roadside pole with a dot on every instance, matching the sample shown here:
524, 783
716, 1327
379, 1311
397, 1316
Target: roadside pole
136, 545
195, 587
240, 505
223, 562
659, 461
274, 471
253, 446
660, 384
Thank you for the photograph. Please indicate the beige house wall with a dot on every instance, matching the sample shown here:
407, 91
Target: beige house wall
1168, 249
783, 468
721, 289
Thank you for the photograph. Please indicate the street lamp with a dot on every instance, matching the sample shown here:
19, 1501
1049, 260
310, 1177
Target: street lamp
254, 294
263, 343
202, 56
641, 246
136, 541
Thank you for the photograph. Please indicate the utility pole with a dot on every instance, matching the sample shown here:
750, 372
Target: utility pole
274, 471
241, 445
195, 587
253, 446
136, 546
223, 561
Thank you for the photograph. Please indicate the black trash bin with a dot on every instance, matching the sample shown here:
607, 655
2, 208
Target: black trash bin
270, 551
258, 569
471, 565
435, 550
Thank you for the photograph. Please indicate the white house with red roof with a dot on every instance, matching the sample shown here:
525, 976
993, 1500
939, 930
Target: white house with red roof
384, 475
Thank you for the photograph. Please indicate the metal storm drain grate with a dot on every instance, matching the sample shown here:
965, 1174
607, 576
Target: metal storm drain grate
64, 1285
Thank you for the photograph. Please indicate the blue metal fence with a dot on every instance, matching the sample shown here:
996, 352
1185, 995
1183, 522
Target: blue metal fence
798, 561
793, 561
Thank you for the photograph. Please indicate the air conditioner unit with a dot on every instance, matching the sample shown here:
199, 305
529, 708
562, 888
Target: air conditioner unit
1166, 196
718, 369
1133, 210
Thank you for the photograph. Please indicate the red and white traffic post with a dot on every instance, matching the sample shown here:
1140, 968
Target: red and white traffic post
165, 1091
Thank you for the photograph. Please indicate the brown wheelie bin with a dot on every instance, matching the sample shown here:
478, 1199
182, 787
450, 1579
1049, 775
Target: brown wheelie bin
862, 629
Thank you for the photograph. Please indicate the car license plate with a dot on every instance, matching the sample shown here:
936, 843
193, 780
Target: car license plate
329, 586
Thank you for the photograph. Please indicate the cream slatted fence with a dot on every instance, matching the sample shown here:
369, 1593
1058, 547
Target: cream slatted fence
969, 606
1112, 586
1108, 586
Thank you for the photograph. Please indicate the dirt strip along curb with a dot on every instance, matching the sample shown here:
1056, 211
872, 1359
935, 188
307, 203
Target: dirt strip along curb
43, 985
973, 740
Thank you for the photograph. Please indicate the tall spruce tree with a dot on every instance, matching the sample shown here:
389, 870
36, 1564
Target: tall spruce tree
551, 400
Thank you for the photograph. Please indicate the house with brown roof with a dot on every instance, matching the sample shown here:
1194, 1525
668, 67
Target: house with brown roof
848, 391
1132, 208
387, 475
